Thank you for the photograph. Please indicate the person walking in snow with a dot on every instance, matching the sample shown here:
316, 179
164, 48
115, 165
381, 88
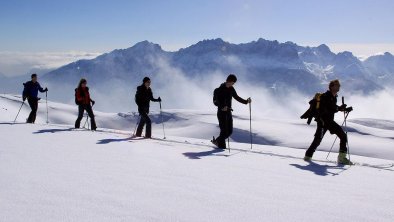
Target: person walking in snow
325, 121
143, 97
223, 99
84, 102
30, 92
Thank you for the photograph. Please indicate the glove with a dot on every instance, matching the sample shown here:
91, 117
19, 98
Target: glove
93, 102
349, 109
249, 100
46, 89
24, 98
159, 99
342, 107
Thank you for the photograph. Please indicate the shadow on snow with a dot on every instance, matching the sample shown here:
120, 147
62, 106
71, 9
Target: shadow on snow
320, 169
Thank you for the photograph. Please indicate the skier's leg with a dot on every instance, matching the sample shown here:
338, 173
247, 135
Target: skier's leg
221, 139
318, 137
80, 116
337, 130
35, 102
32, 107
140, 125
148, 130
89, 110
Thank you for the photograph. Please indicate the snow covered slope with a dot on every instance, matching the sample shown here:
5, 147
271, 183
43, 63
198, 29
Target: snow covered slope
55, 173
366, 136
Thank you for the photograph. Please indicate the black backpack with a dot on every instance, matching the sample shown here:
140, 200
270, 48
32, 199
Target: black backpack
215, 97
314, 106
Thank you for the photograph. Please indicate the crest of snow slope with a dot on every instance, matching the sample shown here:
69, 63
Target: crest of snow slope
53, 173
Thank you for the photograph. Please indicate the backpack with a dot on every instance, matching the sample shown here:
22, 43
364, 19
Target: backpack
137, 97
82, 94
215, 97
76, 100
313, 110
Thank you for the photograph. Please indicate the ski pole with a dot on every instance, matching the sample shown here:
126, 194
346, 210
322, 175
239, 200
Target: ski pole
228, 141
23, 102
46, 101
347, 139
329, 152
336, 137
345, 117
250, 124
161, 114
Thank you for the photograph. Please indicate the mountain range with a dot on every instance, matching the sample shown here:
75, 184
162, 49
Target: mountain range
264, 62
272, 65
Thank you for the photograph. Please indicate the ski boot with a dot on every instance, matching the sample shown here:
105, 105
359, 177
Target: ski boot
343, 160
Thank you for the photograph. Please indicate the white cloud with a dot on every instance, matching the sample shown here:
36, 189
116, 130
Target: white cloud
19, 63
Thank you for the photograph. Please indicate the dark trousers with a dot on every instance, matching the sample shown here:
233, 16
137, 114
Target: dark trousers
321, 130
226, 127
144, 119
33, 103
89, 110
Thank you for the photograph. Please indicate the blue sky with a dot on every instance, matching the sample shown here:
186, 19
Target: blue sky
101, 26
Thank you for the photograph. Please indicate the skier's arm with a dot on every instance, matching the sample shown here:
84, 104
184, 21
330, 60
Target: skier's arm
239, 99
220, 101
41, 89
323, 106
138, 96
333, 108
153, 99
25, 91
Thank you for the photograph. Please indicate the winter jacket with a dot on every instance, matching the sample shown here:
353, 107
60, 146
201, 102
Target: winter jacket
143, 97
31, 89
224, 97
83, 96
328, 106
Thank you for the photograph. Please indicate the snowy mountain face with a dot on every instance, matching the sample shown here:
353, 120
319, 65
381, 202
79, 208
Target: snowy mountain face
381, 68
269, 66
263, 62
327, 65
